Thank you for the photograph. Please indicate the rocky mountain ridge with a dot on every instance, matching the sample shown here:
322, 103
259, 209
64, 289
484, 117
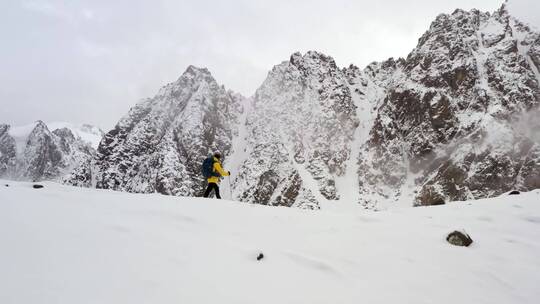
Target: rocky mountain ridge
455, 120
158, 145
34, 152
446, 129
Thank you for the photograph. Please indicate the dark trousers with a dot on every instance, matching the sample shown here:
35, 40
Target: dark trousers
212, 186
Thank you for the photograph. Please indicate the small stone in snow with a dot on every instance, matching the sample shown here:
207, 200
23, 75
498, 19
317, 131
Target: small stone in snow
260, 256
513, 192
36, 186
459, 238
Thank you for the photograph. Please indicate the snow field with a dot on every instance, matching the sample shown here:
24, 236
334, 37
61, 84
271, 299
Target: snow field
64, 244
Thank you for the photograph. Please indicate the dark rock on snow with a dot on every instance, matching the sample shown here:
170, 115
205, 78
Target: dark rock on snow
459, 238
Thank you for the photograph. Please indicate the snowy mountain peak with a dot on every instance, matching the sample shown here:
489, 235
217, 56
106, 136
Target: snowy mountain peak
435, 126
195, 75
157, 146
193, 79
193, 70
447, 103
33, 152
503, 10
64, 133
40, 126
88, 133
313, 62
40, 129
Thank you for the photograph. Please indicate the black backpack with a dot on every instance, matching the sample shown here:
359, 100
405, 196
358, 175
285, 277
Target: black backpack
208, 167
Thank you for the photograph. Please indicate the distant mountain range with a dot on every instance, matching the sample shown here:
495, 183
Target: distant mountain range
457, 119
45, 151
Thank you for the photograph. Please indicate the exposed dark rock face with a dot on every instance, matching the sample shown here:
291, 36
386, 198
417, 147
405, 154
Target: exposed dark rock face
300, 127
83, 174
7, 150
42, 156
447, 129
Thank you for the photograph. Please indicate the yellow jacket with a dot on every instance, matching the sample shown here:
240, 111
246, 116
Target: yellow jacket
217, 168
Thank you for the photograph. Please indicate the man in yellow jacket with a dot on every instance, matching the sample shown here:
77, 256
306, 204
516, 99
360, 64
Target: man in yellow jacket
213, 181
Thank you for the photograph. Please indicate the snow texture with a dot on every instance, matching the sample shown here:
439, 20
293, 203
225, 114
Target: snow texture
75, 245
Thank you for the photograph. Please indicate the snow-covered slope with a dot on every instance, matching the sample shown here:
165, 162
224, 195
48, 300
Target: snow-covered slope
38, 151
72, 245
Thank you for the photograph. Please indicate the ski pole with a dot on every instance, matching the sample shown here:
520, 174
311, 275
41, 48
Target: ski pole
230, 189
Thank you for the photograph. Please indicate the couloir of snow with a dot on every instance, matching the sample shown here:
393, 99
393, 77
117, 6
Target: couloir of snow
65, 244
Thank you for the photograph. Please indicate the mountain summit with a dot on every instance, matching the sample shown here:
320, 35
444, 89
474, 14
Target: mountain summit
157, 146
445, 123
34, 152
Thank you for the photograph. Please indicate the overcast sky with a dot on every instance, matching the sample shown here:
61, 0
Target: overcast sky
90, 61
